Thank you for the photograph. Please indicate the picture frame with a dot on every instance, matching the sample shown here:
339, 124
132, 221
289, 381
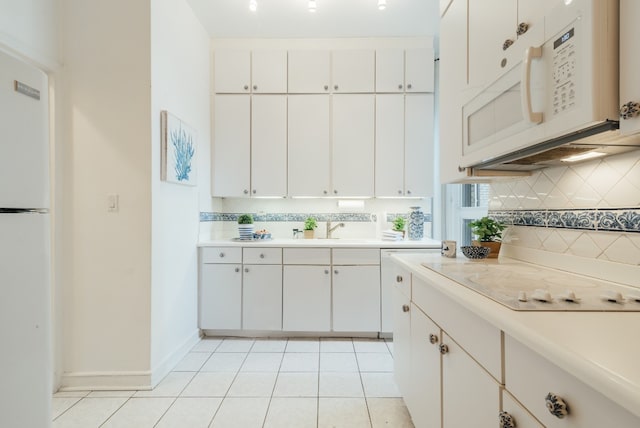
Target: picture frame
179, 150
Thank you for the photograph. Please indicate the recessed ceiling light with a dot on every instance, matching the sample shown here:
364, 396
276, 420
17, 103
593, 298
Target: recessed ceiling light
382, 4
312, 5
253, 5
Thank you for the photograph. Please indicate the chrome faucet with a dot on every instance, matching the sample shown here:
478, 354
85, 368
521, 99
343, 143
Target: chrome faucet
331, 229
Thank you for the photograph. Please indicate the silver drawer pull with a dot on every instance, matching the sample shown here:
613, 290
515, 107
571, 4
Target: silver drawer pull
246, 270
237, 269
262, 256
444, 349
221, 255
433, 339
399, 278
556, 405
405, 308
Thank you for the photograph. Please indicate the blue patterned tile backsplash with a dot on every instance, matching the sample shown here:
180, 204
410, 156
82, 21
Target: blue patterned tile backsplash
300, 217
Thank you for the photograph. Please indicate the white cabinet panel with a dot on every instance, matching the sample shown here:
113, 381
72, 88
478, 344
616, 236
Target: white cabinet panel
262, 256
221, 255
356, 298
356, 256
306, 298
262, 297
353, 70
419, 70
629, 62
309, 71
353, 145
419, 135
470, 397
269, 71
268, 145
389, 159
309, 154
390, 70
391, 276
424, 400
520, 415
402, 341
220, 296
231, 145
231, 71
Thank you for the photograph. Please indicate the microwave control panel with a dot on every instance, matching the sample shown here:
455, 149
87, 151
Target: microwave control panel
564, 72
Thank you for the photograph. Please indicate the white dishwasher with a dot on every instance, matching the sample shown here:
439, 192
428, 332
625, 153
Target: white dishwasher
388, 278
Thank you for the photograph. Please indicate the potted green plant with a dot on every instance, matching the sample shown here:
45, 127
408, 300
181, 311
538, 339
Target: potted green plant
489, 234
245, 226
399, 224
309, 226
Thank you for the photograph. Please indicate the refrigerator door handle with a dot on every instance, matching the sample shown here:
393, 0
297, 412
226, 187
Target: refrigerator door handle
24, 211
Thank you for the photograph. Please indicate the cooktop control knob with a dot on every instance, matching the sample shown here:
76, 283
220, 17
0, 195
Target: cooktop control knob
569, 296
541, 295
612, 296
522, 296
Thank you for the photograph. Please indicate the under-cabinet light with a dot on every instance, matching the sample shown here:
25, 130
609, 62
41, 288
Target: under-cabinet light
253, 5
583, 156
312, 5
382, 4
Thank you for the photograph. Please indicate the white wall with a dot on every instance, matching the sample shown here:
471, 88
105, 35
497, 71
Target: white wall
180, 84
106, 56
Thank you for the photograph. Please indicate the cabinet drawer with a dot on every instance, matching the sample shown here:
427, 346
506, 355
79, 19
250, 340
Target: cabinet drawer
306, 256
221, 255
356, 256
530, 377
262, 256
483, 341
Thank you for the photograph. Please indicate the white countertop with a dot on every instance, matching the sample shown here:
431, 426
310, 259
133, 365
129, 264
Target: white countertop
331, 243
602, 349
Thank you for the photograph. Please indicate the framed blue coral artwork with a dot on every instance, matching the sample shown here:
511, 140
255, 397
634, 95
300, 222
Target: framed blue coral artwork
179, 150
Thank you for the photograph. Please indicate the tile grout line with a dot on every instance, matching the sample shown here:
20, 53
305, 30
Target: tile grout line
264, 421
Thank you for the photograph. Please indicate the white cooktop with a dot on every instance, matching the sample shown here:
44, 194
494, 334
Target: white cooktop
527, 287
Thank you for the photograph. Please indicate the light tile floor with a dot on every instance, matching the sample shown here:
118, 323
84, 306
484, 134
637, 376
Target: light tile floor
261, 383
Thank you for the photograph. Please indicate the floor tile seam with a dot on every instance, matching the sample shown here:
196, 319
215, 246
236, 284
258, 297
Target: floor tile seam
275, 382
115, 411
165, 412
70, 407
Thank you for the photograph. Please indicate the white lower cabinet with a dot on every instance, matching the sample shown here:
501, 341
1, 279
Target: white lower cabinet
306, 298
262, 297
356, 298
516, 414
402, 342
221, 296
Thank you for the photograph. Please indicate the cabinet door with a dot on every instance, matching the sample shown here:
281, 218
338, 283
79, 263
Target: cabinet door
491, 22
309, 71
402, 341
453, 78
309, 156
629, 62
390, 276
262, 297
423, 400
232, 68
231, 145
418, 70
389, 170
306, 298
389, 70
356, 298
418, 140
220, 296
269, 71
353, 145
269, 145
520, 415
470, 397
353, 70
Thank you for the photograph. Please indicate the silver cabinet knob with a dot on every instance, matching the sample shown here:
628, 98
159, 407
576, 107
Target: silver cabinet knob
556, 405
325, 192
262, 256
400, 86
444, 349
255, 87
246, 87
506, 420
399, 192
409, 86
405, 308
245, 191
408, 192
335, 87
326, 271
399, 278
255, 191
221, 255
433, 339
461, 168
335, 192
237, 270
326, 87
335, 271
246, 269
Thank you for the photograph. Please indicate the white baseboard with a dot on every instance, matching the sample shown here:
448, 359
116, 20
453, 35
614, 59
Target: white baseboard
170, 361
106, 381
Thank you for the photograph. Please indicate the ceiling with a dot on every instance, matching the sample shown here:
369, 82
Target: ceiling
333, 18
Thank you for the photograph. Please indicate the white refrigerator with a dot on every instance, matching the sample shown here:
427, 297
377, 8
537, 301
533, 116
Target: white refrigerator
25, 253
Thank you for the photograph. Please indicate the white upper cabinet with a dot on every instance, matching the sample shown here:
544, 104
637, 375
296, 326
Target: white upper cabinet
269, 145
353, 71
418, 70
309, 71
398, 70
238, 71
232, 71
231, 145
418, 163
309, 150
453, 80
629, 62
353, 145
389, 170
269, 71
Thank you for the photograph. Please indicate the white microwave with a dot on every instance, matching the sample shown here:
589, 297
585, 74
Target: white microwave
555, 95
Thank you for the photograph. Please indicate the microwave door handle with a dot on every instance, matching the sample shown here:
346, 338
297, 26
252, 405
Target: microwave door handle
525, 85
